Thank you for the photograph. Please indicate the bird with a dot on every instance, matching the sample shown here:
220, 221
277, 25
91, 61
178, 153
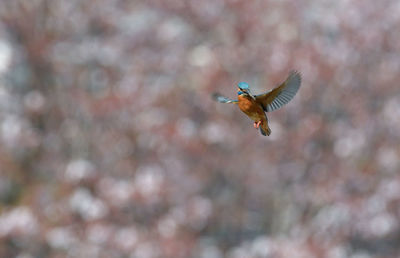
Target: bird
256, 106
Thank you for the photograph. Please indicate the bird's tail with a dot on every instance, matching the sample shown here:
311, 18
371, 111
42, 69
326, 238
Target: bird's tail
264, 128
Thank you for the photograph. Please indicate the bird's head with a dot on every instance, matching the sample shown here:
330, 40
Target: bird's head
244, 89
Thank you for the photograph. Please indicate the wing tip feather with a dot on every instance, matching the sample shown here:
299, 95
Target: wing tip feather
295, 73
222, 99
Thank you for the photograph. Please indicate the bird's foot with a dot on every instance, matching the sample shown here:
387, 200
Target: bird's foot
257, 124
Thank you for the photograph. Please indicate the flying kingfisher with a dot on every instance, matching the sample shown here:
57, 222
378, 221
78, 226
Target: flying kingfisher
255, 106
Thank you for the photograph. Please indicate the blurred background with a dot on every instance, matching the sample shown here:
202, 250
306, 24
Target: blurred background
111, 146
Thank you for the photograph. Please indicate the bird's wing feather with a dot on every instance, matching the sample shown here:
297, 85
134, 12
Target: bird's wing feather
218, 97
282, 94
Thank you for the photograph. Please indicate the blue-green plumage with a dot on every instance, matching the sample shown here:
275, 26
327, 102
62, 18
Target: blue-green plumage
255, 106
243, 85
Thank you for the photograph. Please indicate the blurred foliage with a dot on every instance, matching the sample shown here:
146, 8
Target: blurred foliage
110, 145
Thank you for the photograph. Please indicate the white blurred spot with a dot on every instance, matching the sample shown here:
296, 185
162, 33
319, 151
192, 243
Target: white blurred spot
382, 224
5, 56
34, 101
337, 252
351, 144
146, 250
79, 169
19, 220
171, 29
391, 112
24, 255
167, 227
214, 133
126, 238
98, 234
148, 180
390, 189
332, 217
343, 147
87, 206
388, 159
11, 128
186, 128
261, 247
201, 56
202, 206
61, 238
119, 191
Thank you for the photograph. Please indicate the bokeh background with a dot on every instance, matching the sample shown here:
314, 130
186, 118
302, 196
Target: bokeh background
110, 145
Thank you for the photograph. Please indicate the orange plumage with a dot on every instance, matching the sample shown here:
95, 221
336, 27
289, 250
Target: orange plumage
253, 110
255, 106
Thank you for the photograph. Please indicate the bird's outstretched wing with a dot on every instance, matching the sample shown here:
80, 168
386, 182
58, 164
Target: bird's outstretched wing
218, 97
282, 94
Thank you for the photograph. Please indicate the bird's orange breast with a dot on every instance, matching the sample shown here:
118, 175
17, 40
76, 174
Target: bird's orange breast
250, 108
